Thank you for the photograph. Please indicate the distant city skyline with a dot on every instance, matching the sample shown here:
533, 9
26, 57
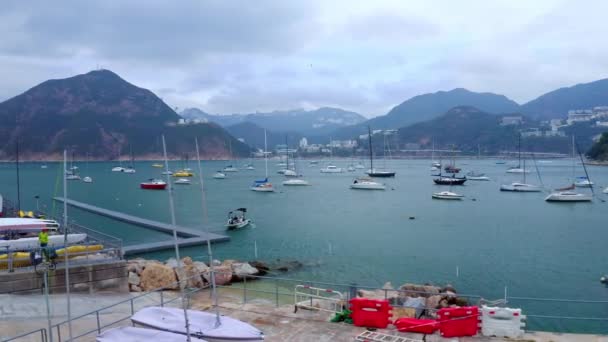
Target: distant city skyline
239, 57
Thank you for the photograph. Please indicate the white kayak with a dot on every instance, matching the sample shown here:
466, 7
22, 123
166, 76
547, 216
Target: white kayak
133, 334
202, 324
27, 224
32, 242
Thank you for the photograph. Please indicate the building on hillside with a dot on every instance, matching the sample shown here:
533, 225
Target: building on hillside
601, 123
303, 142
579, 115
343, 144
514, 120
181, 121
531, 132
554, 133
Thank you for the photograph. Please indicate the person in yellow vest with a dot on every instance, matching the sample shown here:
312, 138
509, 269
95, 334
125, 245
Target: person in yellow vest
43, 238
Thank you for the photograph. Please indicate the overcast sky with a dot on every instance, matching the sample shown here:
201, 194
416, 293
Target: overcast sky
367, 56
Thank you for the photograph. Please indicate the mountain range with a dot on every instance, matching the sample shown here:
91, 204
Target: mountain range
99, 114
321, 121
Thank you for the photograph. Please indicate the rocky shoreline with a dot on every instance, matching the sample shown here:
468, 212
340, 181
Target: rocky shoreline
149, 275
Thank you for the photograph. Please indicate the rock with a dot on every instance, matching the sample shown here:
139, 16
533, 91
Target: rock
135, 288
223, 275
150, 262
260, 266
171, 263
228, 263
189, 276
157, 275
201, 267
387, 292
430, 290
242, 270
216, 262
433, 302
134, 268
284, 266
187, 261
415, 290
134, 279
448, 288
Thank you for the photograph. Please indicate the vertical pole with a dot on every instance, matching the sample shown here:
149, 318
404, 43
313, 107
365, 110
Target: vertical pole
173, 225
18, 181
505, 294
255, 248
245, 290
276, 292
48, 305
65, 245
206, 225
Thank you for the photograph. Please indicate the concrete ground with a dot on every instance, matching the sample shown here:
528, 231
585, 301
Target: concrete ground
25, 313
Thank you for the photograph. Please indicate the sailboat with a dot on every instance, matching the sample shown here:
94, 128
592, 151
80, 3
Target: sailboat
295, 181
331, 168
263, 185
435, 165
523, 186
568, 194
250, 165
372, 172
230, 168
118, 168
71, 174
518, 168
87, 179
477, 176
288, 172
367, 183
449, 180
447, 195
130, 168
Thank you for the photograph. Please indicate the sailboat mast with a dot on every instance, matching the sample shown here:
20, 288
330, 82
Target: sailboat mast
286, 154
573, 161
173, 225
18, 181
206, 225
519, 150
371, 157
65, 243
265, 155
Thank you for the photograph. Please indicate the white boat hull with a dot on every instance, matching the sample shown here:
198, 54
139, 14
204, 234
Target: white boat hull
219, 176
239, 225
296, 182
519, 187
567, 196
480, 178
605, 190
202, 324
133, 334
332, 170
118, 169
518, 170
585, 184
30, 243
447, 195
368, 186
290, 173
262, 189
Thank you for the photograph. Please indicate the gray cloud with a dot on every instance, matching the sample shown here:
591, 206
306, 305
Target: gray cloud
242, 56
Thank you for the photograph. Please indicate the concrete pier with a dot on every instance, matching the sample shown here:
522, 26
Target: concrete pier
187, 236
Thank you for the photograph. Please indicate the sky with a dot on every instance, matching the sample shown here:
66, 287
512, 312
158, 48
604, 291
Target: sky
367, 56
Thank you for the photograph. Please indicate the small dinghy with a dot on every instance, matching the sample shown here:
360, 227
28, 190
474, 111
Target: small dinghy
183, 181
133, 334
202, 324
219, 175
447, 195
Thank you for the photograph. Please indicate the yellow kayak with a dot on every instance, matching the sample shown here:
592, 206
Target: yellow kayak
22, 259
182, 173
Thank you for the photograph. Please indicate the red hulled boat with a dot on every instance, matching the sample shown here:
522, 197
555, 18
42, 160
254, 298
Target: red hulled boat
153, 184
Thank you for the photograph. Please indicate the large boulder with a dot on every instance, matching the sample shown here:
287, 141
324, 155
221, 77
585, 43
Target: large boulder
242, 270
136, 265
157, 275
223, 275
201, 267
171, 262
387, 292
189, 275
134, 279
416, 290
262, 267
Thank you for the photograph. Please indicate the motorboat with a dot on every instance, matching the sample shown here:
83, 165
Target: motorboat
436, 165
118, 169
332, 169
219, 175
520, 187
517, 169
166, 173
605, 190
43, 166
72, 177
262, 185
249, 167
153, 184
380, 173
583, 182
87, 179
359, 166
182, 173
295, 182
313, 162
157, 165
434, 168
365, 183
447, 195
501, 162
141, 335
443, 180
568, 196
350, 168
183, 181
128, 169
477, 176
290, 173
237, 219
202, 325
230, 168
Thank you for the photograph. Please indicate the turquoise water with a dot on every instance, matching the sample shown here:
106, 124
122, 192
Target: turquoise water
535, 248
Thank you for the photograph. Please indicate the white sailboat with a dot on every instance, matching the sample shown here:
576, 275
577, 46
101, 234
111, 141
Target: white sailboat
231, 167
263, 185
372, 172
477, 176
87, 179
520, 186
568, 194
295, 181
219, 175
447, 195
366, 183
134, 334
330, 167
583, 182
518, 168
435, 165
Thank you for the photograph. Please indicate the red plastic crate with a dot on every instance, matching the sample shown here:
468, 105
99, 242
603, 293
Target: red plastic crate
421, 326
457, 322
370, 313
